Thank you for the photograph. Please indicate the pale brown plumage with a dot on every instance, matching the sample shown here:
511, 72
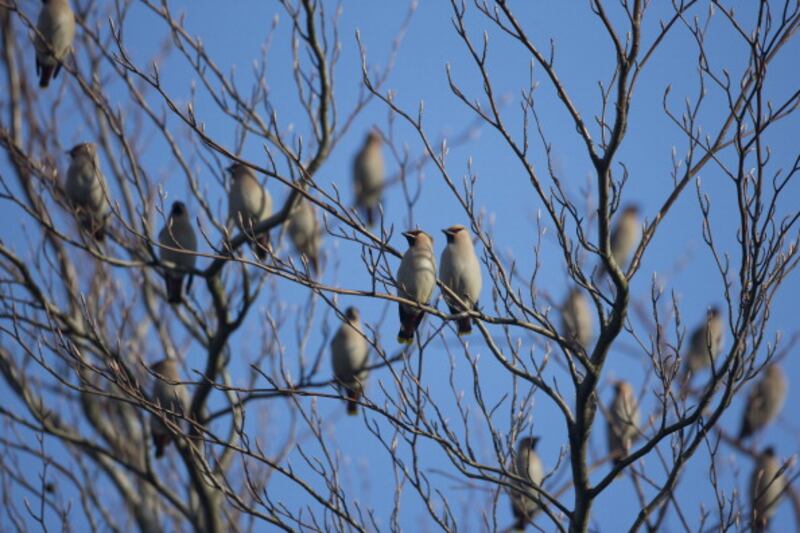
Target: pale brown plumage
176, 235
248, 204
368, 177
305, 232
416, 279
576, 318
56, 31
172, 397
764, 402
525, 500
767, 485
623, 422
625, 235
705, 344
349, 354
460, 271
86, 189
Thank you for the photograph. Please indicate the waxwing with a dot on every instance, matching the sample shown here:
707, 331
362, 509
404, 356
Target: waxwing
248, 204
461, 273
416, 279
56, 30
349, 351
177, 235
86, 189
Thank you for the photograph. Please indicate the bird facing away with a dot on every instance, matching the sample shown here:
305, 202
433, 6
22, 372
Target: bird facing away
625, 236
368, 177
178, 234
86, 189
766, 487
305, 232
56, 24
623, 421
525, 500
764, 402
461, 273
248, 204
349, 351
576, 318
416, 279
705, 344
172, 397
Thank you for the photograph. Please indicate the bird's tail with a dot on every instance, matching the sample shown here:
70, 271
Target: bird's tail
174, 286
352, 401
160, 442
313, 262
46, 72
94, 226
261, 246
746, 430
371, 215
409, 322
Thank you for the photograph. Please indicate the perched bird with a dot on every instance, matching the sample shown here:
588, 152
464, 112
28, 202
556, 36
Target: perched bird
177, 234
416, 279
625, 236
86, 189
764, 402
705, 344
623, 422
525, 501
576, 318
248, 204
349, 351
461, 273
56, 24
172, 397
766, 487
305, 232
368, 176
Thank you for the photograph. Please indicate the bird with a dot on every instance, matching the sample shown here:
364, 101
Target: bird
349, 351
623, 421
625, 236
705, 344
416, 279
461, 273
766, 487
576, 318
764, 402
177, 233
56, 30
525, 501
368, 178
172, 397
305, 232
248, 204
86, 189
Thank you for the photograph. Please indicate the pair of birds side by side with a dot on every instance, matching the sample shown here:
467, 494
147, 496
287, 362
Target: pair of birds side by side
249, 203
416, 278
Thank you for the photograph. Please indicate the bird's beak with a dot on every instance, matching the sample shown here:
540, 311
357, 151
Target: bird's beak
447, 232
408, 235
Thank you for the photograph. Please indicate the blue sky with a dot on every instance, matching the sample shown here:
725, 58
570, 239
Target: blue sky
677, 255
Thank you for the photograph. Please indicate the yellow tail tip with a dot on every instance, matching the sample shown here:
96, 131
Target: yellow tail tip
402, 340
